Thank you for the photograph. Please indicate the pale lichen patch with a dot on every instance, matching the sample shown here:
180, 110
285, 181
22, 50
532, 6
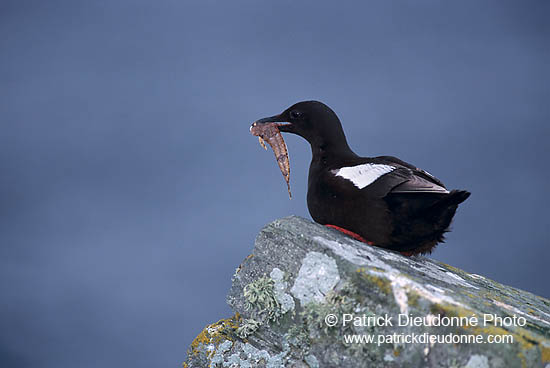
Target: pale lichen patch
286, 300
351, 254
217, 358
311, 361
248, 356
477, 361
317, 276
476, 276
401, 298
388, 357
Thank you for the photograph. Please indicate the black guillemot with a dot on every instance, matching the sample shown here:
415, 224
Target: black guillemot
381, 201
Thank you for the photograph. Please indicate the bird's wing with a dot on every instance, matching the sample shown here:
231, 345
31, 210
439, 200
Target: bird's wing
417, 171
418, 184
380, 176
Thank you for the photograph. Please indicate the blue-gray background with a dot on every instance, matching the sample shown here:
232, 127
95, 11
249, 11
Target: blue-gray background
130, 187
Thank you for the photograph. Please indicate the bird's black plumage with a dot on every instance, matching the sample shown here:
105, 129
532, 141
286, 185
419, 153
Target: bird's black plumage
385, 200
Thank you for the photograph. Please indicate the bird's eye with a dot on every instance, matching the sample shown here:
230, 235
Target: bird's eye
296, 114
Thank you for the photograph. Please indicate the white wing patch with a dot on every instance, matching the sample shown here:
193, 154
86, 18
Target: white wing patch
363, 175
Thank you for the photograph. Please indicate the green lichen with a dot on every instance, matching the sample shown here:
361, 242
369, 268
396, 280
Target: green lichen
545, 353
261, 299
337, 303
413, 298
453, 363
298, 337
340, 302
247, 328
367, 278
526, 341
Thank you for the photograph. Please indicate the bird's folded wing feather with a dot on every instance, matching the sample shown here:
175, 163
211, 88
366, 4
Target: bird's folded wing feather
417, 171
417, 184
378, 178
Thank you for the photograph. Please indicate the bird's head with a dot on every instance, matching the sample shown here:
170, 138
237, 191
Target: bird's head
312, 120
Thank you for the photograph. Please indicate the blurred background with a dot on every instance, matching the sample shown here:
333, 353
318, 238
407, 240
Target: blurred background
131, 188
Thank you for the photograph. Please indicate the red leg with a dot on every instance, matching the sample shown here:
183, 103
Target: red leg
350, 233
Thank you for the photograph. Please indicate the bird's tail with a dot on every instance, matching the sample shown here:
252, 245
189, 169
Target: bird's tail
449, 202
433, 222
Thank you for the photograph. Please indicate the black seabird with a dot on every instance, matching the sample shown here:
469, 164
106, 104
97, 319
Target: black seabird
382, 201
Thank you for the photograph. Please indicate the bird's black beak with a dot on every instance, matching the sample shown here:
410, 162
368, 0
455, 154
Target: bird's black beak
282, 123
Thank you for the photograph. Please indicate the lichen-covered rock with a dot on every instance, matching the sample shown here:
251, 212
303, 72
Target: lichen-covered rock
309, 296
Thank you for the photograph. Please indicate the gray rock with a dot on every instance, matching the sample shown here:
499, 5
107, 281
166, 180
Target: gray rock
419, 312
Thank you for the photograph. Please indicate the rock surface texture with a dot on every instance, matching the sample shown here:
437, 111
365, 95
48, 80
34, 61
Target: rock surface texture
301, 272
